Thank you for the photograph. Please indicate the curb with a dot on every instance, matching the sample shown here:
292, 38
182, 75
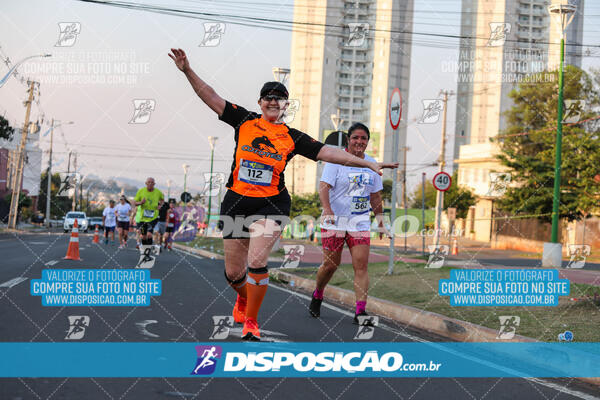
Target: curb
199, 252
210, 254
438, 324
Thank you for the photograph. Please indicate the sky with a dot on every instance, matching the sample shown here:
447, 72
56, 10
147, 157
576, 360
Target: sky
119, 59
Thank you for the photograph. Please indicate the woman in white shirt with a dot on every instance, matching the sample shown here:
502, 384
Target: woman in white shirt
122, 211
348, 194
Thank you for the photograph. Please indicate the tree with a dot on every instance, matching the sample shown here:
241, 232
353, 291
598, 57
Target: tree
459, 197
306, 204
527, 148
24, 202
386, 193
416, 197
6, 131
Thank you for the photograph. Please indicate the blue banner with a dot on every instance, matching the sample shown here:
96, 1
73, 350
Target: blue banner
244, 359
503, 287
95, 287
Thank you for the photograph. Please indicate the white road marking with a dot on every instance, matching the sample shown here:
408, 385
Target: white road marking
52, 262
36, 242
12, 282
542, 382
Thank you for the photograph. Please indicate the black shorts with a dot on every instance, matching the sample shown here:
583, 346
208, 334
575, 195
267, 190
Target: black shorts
123, 225
147, 227
236, 208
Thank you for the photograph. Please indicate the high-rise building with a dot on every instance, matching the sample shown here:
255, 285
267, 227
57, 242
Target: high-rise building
523, 39
347, 57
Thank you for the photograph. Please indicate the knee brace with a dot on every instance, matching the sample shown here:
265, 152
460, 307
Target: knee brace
236, 283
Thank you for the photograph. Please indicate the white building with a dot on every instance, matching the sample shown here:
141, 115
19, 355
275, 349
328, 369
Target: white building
523, 39
348, 55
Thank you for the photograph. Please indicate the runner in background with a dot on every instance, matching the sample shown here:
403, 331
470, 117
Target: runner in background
148, 199
161, 224
109, 221
171, 222
263, 147
122, 211
347, 195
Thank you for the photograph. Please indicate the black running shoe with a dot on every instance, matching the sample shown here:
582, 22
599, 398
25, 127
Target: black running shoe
315, 307
366, 322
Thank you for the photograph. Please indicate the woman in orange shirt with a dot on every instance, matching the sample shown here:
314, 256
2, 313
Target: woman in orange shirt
257, 202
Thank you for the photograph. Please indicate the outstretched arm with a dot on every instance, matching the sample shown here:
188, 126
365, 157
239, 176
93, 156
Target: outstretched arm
342, 157
206, 93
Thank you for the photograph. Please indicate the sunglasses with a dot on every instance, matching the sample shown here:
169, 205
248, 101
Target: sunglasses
270, 97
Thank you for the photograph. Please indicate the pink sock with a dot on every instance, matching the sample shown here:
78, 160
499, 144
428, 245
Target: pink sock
360, 306
318, 294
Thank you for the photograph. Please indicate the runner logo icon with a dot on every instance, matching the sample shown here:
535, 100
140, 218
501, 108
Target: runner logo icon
437, 255
222, 325
207, 359
498, 33
142, 110
212, 34
431, 111
508, 326
366, 328
293, 253
68, 33
77, 326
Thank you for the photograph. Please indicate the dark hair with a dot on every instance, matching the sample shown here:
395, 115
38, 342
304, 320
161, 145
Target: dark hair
358, 125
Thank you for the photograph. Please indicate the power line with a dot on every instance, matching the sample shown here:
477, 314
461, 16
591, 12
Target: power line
260, 21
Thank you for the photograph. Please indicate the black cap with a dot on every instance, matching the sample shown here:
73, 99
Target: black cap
273, 87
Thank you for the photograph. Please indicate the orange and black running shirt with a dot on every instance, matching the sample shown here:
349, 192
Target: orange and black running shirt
262, 150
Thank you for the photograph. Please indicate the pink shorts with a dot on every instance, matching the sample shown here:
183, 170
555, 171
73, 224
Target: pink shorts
334, 240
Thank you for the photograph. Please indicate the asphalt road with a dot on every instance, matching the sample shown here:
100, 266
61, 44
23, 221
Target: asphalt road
194, 291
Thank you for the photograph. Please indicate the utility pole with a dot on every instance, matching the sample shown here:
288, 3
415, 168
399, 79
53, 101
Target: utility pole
73, 204
49, 188
49, 176
439, 199
404, 202
18, 170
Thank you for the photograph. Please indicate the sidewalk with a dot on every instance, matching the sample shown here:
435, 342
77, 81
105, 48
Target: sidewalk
313, 255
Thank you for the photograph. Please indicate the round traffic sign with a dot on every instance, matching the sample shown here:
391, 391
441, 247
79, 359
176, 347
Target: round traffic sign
395, 108
334, 139
442, 181
186, 197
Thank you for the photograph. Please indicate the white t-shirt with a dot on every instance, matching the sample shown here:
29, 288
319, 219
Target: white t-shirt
350, 195
123, 211
109, 217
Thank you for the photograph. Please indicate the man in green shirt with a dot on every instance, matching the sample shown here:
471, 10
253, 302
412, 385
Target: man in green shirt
148, 199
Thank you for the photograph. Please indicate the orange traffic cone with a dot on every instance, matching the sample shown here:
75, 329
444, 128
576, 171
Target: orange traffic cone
73, 250
455, 247
96, 237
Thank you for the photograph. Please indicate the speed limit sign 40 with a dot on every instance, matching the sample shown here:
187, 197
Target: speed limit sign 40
442, 181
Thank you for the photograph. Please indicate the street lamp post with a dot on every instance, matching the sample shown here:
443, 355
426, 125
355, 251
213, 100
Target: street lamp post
552, 255
211, 140
186, 168
16, 65
49, 176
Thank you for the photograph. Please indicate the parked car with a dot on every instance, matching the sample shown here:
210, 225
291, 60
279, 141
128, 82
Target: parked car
37, 219
82, 221
93, 221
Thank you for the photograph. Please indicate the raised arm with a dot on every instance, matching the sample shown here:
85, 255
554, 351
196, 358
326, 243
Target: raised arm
338, 156
206, 93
